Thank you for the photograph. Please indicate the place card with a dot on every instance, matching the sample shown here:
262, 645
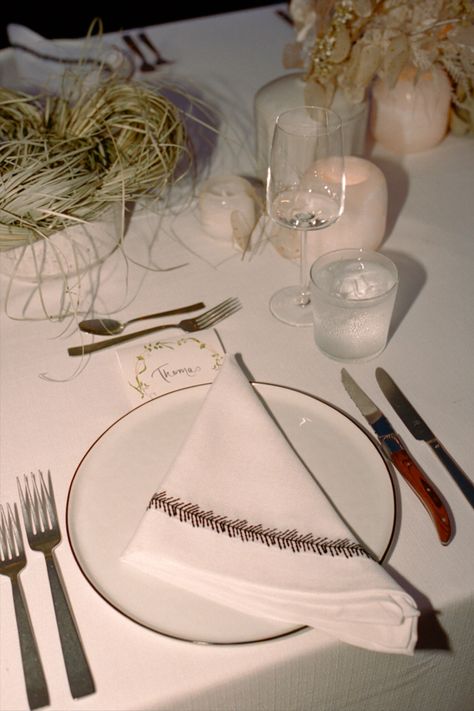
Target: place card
160, 366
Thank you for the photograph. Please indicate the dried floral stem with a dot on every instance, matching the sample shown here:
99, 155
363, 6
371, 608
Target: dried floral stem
346, 44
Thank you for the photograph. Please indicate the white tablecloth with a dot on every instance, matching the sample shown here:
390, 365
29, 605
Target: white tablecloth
51, 413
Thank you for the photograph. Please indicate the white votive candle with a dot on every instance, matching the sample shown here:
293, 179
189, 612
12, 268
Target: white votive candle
227, 208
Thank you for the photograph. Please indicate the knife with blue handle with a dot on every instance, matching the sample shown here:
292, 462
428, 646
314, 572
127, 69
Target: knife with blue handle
420, 430
397, 453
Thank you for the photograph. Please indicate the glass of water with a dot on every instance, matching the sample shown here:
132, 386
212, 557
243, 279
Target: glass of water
353, 294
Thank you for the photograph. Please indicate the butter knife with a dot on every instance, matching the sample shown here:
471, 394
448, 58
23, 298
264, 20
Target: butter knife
420, 430
397, 453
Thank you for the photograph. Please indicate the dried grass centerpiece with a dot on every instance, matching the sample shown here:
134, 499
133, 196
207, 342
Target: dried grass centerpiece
64, 162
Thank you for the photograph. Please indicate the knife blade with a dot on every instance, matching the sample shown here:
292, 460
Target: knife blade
397, 453
420, 430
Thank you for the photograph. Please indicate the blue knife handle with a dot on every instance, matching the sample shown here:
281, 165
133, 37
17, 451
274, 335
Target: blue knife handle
465, 484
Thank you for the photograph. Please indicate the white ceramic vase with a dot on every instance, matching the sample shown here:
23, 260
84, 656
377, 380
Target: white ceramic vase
412, 116
67, 253
287, 92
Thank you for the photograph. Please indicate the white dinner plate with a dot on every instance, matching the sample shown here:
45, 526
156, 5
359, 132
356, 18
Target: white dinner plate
124, 467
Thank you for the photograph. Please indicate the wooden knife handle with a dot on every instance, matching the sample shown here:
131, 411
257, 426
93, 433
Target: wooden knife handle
426, 492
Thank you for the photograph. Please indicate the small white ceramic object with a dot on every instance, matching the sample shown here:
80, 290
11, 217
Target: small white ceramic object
228, 209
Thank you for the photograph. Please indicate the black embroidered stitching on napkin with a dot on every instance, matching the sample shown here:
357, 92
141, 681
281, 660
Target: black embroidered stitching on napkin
240, 528
61, 60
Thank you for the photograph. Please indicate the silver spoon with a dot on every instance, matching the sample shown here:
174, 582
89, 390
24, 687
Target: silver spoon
110, 326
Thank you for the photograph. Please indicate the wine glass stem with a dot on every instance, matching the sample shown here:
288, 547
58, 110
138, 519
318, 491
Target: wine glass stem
304, 297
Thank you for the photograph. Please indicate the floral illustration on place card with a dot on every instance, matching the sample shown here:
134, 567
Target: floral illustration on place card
157, 367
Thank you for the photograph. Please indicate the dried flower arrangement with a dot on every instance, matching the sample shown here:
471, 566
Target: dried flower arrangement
347, 43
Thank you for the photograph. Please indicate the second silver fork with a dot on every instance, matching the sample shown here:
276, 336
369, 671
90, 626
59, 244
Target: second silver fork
42, 530
12, 562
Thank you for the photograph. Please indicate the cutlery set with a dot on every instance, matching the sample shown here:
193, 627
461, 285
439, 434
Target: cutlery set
41, 521
393, 446
205, 320
145, 64
43, 533
396, 451
420, 430
111, 327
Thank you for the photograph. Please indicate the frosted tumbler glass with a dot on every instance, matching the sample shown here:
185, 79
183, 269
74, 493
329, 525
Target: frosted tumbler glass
353, 293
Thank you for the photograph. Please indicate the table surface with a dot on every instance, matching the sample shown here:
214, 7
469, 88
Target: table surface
53, 408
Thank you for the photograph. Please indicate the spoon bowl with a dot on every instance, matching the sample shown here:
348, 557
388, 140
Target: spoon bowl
111, 326
103, 326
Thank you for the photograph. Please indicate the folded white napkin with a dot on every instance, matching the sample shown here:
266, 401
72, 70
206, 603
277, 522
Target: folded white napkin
240, 520
55, 66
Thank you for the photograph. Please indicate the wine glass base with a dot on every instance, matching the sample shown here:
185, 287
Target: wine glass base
286, 306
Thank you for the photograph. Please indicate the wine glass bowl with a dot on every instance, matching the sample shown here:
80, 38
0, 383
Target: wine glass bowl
305, 190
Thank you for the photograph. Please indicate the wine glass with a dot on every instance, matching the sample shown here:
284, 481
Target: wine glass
305, 191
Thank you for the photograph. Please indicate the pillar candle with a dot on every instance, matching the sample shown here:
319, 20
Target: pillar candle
362, 224
414, 115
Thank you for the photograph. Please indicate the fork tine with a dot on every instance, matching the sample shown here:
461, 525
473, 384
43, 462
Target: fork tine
217, 307
48, 504
225, 308
223, 313
4, 554
14, 527
11, 539
27, 506
220, 314
37, 503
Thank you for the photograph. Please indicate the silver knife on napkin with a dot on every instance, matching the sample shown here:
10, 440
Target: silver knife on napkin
420, 430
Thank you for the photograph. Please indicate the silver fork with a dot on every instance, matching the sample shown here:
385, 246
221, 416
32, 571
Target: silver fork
205, 320
42, 529
145, 66
159, 57
12, 562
